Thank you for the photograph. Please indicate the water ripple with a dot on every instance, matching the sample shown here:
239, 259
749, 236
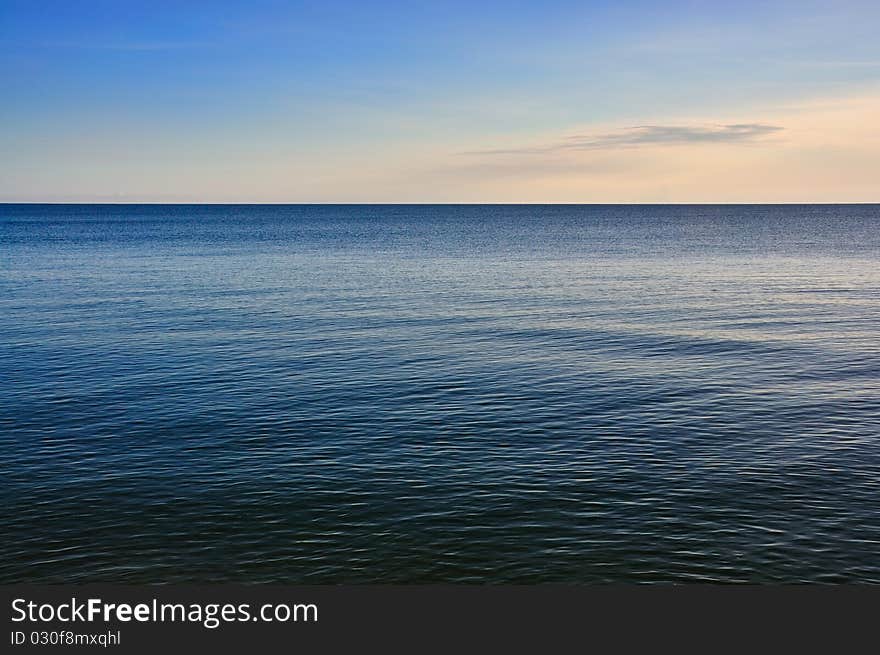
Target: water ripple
440, 394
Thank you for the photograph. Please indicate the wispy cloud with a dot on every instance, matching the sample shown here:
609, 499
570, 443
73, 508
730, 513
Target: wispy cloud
124, 46
838, 63
645, 135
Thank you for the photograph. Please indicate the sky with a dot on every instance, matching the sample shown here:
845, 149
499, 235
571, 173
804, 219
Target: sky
582, 102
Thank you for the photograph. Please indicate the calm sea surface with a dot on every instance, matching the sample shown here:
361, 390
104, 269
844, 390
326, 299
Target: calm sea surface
314, 394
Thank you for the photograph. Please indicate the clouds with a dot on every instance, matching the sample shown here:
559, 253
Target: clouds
646, 135
825, 149
124, 46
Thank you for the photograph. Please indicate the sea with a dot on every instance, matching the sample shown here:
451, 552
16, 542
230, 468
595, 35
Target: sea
472, 394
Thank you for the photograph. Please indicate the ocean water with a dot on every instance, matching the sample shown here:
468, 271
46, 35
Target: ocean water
473, 394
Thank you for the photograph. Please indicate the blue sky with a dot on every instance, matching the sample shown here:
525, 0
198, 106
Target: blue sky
446, 101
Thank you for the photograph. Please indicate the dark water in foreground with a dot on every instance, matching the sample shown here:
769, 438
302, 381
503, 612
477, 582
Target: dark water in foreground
440, 393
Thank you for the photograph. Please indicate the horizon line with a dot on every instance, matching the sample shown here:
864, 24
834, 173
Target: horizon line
453, 204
